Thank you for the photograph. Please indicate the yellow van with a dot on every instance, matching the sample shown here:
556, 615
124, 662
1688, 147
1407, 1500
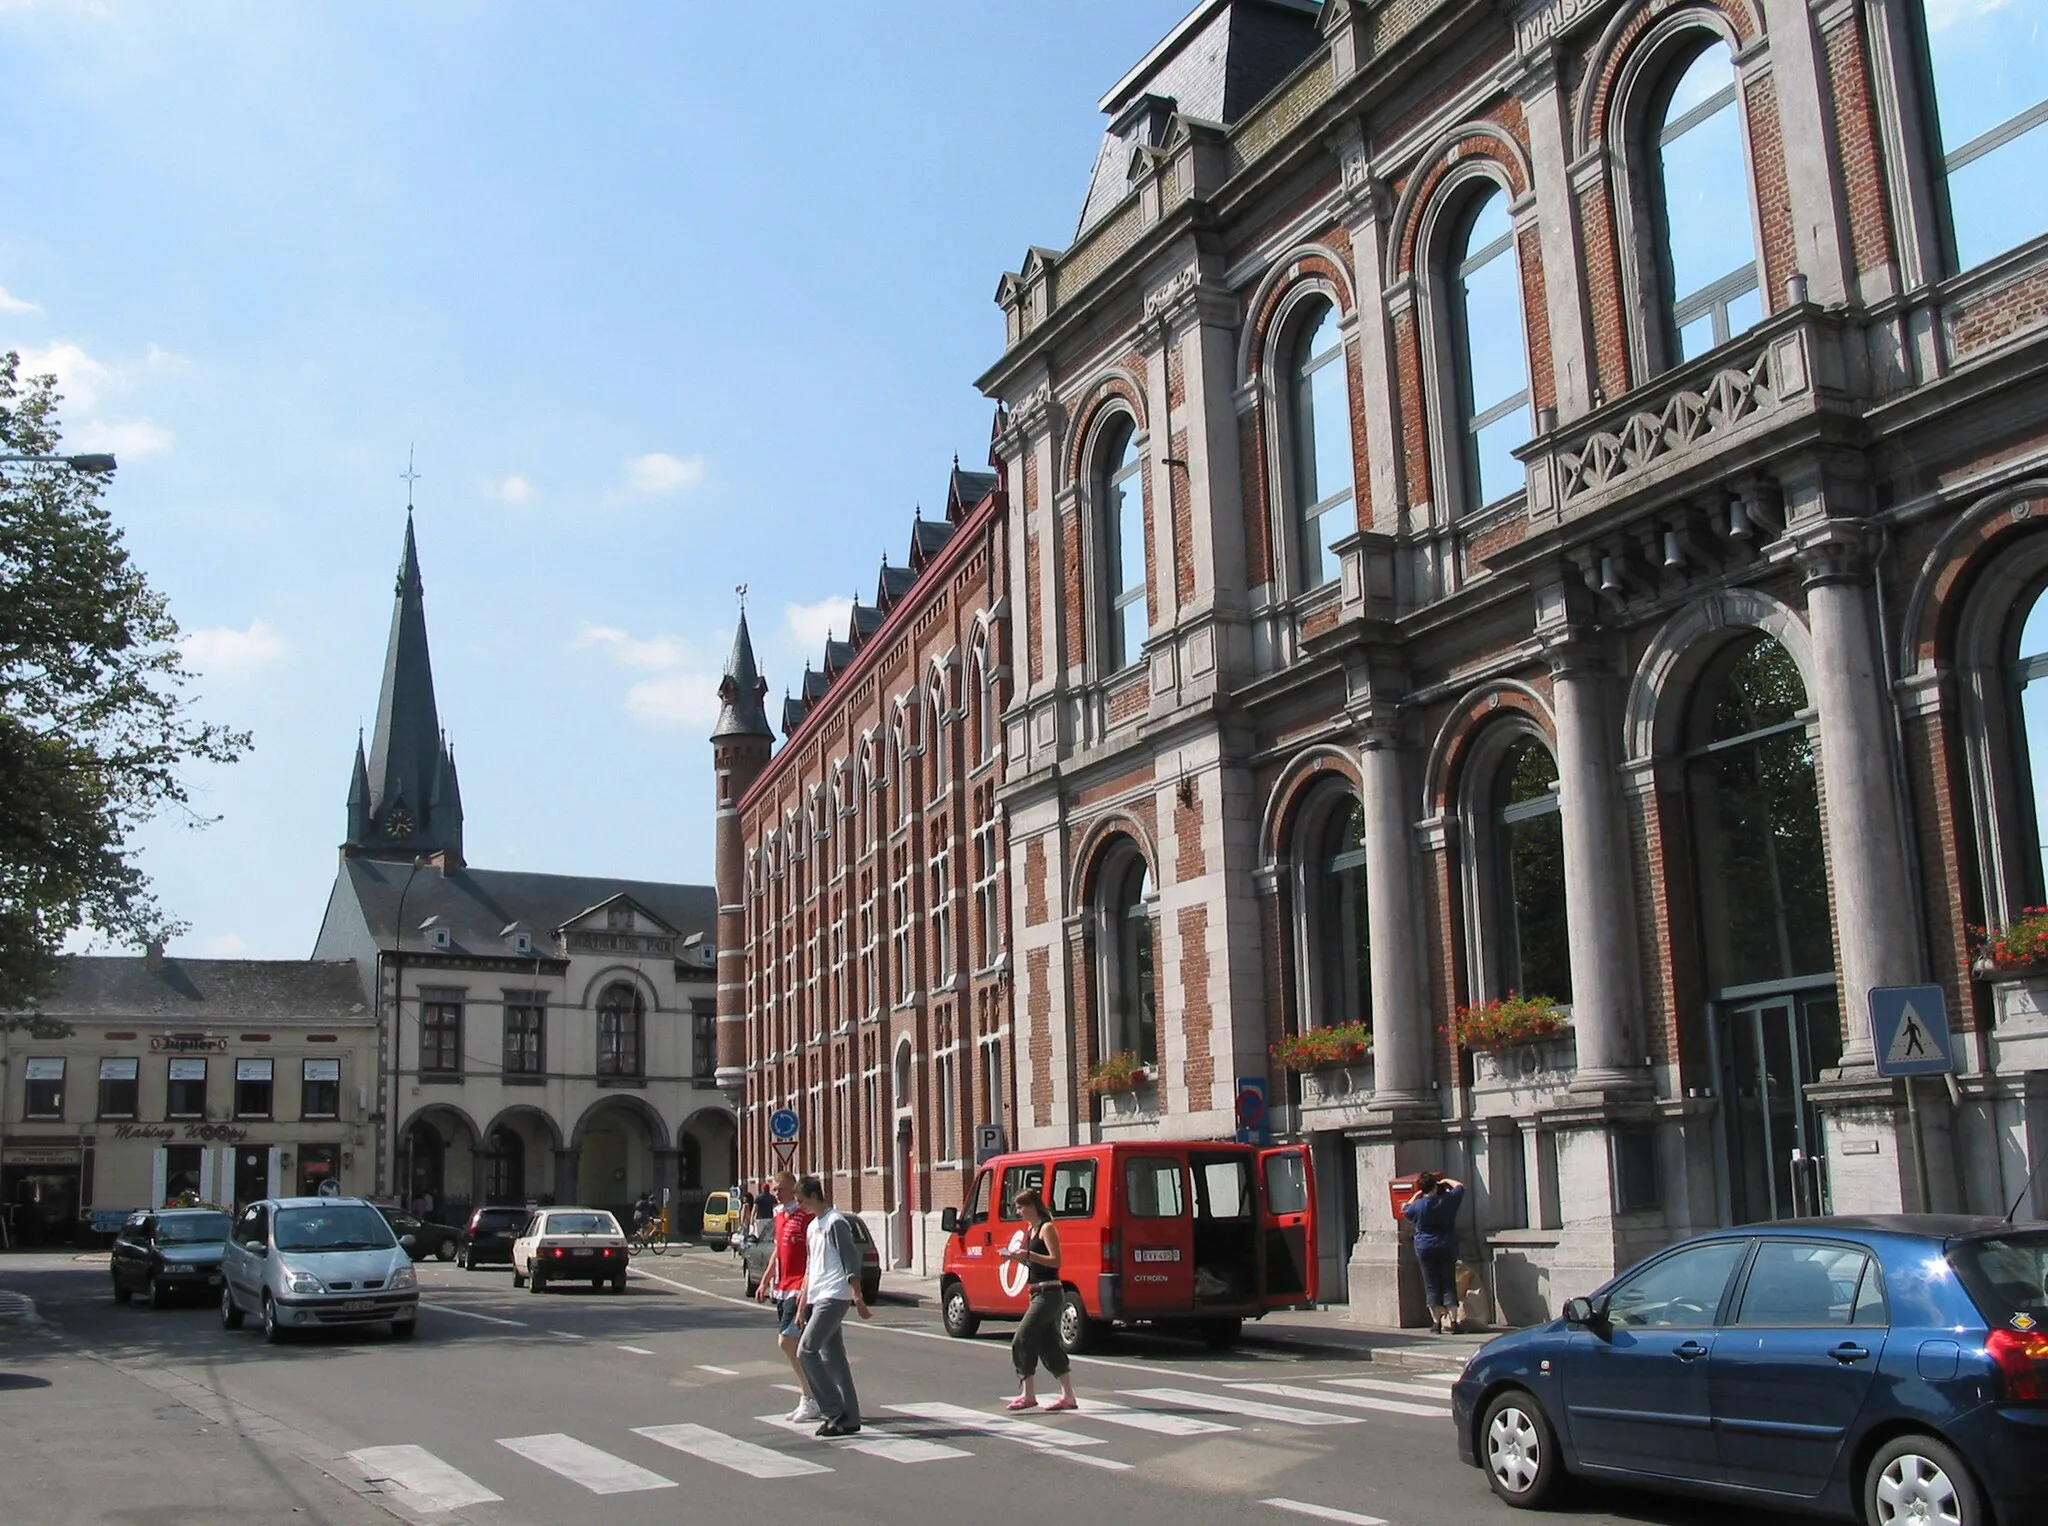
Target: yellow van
722, 1211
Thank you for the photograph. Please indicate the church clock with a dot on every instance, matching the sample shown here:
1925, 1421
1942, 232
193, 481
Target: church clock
398, 823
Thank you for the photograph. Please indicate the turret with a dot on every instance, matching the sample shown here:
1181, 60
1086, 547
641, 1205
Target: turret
741, 743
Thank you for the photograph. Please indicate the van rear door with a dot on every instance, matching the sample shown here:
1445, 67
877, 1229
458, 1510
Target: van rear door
1158, 1235
1287, 1223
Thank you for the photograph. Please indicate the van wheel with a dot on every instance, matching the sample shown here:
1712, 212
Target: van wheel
273, 1332
1518, 1449
230, 1311
1916, 1478
1078, 1333
1221, 1334
960, 1319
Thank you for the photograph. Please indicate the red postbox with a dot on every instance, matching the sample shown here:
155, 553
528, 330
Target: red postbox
1399, 1190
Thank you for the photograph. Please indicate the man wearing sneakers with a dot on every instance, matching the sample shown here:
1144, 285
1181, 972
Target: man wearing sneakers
831, 1282
783, 1281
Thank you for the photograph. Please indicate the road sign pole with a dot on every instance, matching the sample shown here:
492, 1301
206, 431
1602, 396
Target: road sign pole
1919, 1145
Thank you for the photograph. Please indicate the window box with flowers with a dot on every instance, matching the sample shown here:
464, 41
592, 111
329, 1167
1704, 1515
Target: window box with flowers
2013, 960
1340, 1044
1118, 1073
2015, 951
1511, 1019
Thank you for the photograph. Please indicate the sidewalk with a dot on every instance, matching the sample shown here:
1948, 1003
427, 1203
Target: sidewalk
1322, 1331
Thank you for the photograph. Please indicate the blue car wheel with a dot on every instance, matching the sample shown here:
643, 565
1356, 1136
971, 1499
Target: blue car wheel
1918, 1481
1518, 1449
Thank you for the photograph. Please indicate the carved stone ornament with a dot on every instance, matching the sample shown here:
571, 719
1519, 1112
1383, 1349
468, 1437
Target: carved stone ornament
1685, 420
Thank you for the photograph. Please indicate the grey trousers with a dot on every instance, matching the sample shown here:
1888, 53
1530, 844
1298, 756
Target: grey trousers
1038, 1334
821, 1351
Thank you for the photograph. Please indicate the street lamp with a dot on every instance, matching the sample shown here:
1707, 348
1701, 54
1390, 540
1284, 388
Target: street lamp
92, 464
397, 1028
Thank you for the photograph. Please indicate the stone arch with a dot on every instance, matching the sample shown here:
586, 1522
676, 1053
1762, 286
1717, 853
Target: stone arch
1926, 629
616, 974
707, 1154
1616, 63
1664, 678
1303, 270
1449, 752
1448, 165
1102, 835
1117, 388
645, 1112
527, 1112
441, 1163
1304, 774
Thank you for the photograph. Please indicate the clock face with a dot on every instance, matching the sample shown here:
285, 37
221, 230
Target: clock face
398, 823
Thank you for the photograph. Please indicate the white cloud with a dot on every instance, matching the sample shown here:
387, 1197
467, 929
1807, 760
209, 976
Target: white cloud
515, 487
659, 653
679, 699
79, 377
10, 303
226, 946
812, 623
137, 437
660, 472
84, 383
223, 652
1942, 14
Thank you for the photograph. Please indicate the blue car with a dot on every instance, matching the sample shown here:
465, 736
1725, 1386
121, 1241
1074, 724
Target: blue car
1889, 1370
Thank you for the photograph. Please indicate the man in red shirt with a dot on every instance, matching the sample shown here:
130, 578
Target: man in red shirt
784, 1280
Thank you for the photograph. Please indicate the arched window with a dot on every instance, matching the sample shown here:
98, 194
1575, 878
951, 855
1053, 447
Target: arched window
1319, 408
938, 734
1534, 955
984, 706
1129, 1014
2029, 669
1706, 230
1336, 950
1489, 351
620, 1031
1755, 805
1120, 500
1990, 69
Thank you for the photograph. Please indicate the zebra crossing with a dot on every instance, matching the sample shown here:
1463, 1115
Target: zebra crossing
909, 1434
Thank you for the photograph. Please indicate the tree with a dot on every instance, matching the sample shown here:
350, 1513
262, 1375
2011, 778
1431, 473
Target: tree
94, 718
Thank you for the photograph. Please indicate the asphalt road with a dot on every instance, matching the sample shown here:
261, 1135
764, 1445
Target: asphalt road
576, 1406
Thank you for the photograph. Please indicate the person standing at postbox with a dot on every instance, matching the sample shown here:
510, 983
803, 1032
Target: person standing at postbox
1433, 1210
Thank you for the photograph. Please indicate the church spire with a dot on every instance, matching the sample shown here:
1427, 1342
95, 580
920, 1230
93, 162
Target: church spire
401, 815
741, 692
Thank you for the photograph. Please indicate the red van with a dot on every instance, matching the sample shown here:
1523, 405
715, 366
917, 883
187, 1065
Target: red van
1170, 1233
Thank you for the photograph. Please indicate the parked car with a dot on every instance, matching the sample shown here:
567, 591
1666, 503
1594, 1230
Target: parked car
723, 1213
169, 1252
570, 1245
486, 1239
757, 1249
298, 1262
1186, 1236
1887, 1369
422, 1237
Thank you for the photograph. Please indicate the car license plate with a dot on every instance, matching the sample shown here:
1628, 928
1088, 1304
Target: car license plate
358, 1305
582, 1255
213, 1282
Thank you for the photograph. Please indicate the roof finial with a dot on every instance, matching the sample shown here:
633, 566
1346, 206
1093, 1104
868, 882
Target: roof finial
408, 477
740, 591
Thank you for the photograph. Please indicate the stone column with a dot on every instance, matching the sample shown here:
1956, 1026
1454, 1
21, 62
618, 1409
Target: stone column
1400, 1023
1598, 869
1865, 833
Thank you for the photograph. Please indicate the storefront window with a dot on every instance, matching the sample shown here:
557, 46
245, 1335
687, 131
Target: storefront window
320, 1096
187, 1089
318, 1165
254, 1084
44, 1089
118, 1087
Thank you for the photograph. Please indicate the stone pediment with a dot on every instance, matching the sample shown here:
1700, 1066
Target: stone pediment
619, 925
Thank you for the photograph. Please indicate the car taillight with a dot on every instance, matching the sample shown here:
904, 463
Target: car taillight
1109, 1247
2022, 1364
558, 1252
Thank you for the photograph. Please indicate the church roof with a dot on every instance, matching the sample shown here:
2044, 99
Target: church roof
741, 712
477, 905
131, 987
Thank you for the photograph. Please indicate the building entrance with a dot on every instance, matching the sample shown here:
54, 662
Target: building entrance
1773, 1046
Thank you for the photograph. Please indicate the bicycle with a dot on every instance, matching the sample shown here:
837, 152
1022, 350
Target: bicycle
650, 1236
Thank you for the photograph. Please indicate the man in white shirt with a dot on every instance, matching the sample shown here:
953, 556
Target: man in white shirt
831, 1281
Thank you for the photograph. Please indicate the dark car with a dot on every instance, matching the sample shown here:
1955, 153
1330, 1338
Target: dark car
487, 1238
756, 1250
426, 1238
1890, 1369
168, 1253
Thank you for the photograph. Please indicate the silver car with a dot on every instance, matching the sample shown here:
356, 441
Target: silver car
302, 1261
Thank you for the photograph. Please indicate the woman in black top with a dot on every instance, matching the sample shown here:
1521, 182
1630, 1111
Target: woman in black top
1038, 1333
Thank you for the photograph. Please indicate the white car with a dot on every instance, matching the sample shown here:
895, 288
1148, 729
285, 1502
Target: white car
570, 1245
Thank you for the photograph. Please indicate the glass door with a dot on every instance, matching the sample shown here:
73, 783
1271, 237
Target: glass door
1772, 1049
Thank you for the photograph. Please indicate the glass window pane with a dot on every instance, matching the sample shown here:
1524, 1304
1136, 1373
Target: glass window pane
1131, 620
1989, 218
2034, 711
1130, 536
1073, 1189
1328, 467
1802, 1285
1152, 1188
1682, 1291
1990, 64
1493, 450
1706, 182
1493, 326
1746, 311
1697, 337
1224, 1189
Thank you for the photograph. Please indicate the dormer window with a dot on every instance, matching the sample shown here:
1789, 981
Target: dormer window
436, 932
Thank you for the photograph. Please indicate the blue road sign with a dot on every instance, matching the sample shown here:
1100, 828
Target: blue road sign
1252, 1124
1909, 1031
783, 1124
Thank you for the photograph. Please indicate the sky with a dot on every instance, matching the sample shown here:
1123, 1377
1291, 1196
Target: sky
663, 298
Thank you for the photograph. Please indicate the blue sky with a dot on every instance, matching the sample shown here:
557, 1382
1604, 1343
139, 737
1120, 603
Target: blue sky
669, 296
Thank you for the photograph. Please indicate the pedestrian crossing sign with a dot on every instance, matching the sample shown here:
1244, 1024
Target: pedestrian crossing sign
1909, 1031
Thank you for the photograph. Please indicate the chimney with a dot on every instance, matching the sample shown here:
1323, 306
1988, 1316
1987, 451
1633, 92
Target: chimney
153, 954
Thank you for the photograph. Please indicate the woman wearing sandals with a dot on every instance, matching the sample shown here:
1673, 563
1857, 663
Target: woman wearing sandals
1038, 1333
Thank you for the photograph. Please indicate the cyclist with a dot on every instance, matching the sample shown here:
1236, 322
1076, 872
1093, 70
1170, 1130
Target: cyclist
643, 1212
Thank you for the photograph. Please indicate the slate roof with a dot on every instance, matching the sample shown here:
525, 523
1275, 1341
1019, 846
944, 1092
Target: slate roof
893, 584
965, 489
741, 691
928, 537
476, 905
197, 992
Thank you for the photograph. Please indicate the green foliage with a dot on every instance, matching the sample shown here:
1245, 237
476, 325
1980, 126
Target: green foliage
1119, 1072
1512, 1019
2022, 944
94, 723
1339, 1044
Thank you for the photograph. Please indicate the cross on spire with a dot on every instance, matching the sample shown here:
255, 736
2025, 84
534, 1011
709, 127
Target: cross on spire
408, 477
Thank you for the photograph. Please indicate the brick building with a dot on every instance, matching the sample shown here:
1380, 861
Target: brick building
863, 981
1536, 499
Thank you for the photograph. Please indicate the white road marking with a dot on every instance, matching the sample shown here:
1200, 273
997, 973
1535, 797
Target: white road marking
599, 1472
637, 1350
422, 1475
723, 1372
1160, 1424
489, 1319
1231, 1404
729, 1451
1348, 1400
1382, 1386
1324, 1512
874, 1442
567, 1335
1009, 1427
